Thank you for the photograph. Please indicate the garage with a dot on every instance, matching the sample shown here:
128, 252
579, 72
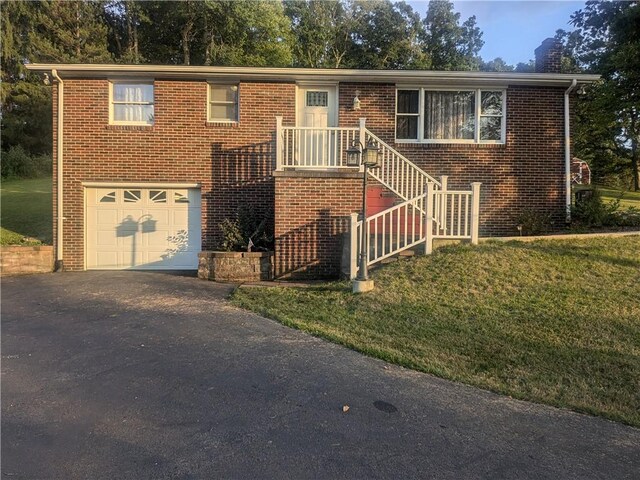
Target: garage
150, 228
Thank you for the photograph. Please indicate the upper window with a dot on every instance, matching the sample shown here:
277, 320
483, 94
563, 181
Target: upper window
450, 116
132, 103
223, 103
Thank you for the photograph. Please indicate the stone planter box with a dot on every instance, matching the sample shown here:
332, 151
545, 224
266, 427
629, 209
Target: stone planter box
236, 267
17, 259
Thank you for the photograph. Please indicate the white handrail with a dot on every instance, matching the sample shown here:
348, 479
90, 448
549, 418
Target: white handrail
406, 225
395, 229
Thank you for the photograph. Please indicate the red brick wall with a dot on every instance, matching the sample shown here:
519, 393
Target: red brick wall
525, 173
312, 214
232, 162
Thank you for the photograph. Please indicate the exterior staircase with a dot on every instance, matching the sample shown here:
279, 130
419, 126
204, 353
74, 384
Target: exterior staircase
427, 208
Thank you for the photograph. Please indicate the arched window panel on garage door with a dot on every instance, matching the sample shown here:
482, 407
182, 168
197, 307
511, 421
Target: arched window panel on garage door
132, 196
158, 196
180, 196
107, 196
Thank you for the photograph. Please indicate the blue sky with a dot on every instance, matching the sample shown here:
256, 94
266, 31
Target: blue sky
513, 29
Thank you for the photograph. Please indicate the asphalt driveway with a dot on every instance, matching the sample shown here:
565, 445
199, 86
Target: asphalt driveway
135, 375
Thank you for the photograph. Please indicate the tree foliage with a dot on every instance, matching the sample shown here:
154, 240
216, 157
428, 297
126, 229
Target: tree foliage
322, 32
449, 44
606, 40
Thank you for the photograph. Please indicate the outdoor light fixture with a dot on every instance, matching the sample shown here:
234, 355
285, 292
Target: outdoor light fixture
356, 101
369, 157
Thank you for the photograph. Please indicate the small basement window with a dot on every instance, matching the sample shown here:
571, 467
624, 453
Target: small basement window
131, 103
223, 102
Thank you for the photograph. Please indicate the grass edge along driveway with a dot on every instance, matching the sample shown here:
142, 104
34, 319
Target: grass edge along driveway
552, 321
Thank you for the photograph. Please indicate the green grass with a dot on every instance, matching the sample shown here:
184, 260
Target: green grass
627, 198
555, 322
26, 211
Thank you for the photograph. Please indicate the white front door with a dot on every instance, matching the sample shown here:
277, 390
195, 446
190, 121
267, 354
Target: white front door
143, 228
316, 112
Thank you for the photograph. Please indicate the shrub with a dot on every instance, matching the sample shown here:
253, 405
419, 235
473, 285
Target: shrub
533, 222
247, 228
17, 163
592, 211
624, 218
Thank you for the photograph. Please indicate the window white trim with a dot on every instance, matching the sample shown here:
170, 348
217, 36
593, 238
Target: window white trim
478, 105
211, 84
136, 81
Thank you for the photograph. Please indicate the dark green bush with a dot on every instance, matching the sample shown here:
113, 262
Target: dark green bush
533, 222
248, 226
624, 218
592, 211
17, 163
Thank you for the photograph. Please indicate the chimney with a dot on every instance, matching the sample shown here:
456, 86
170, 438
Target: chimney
549, 56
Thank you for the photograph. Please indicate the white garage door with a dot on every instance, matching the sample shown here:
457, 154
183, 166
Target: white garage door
143, 228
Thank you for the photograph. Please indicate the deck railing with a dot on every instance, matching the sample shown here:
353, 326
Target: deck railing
313, 148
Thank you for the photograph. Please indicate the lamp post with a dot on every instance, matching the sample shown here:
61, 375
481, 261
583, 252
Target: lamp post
368, 156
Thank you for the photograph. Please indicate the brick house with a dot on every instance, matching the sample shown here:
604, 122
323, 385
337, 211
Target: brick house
151, 159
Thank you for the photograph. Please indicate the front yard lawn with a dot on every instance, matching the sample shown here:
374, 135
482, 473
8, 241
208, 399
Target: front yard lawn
551, 321
26, 211
627, 198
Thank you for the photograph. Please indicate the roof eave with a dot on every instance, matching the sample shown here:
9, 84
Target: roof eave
302, 74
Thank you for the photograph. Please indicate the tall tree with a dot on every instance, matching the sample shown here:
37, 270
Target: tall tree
607, 41
322, 31
386, 36
69, 32
124, 18
247, 33
209, 32
26, 102
450, 45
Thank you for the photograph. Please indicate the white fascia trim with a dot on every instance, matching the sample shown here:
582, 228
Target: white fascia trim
308, 74
140, 185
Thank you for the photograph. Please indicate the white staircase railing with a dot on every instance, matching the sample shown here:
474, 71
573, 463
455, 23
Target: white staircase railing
406, 225
396, 172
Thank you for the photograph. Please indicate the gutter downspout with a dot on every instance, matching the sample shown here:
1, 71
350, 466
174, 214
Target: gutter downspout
567, 149
59, 264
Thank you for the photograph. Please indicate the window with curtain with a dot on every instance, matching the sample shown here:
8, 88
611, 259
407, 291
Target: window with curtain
407, 113
450, 116
132, 103
223, 103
